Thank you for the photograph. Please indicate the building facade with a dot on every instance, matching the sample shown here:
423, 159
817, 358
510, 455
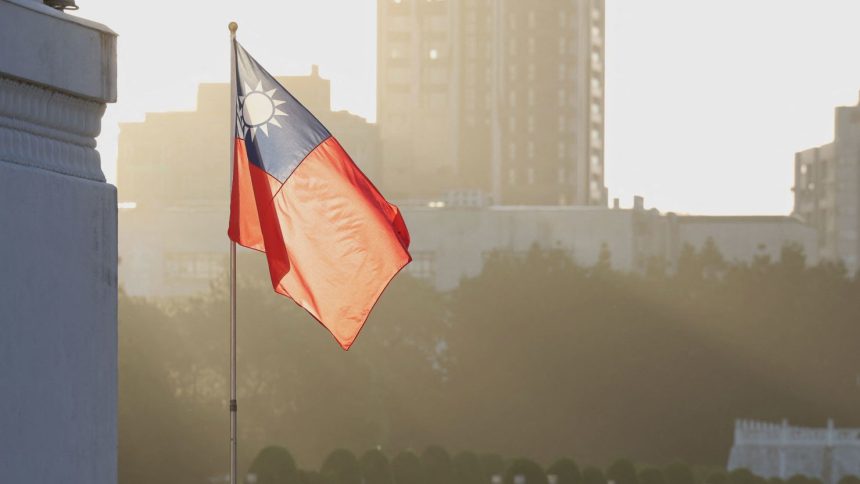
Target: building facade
172, 171
827, 190
501, 97
451, 242
742, 239
780, 450
189, 165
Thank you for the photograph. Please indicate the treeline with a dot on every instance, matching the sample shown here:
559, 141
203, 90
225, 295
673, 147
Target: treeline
535, 356
275, 465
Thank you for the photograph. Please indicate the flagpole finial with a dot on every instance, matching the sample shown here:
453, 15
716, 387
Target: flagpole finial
233, 26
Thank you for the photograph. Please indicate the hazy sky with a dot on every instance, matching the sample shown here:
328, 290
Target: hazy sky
707, 101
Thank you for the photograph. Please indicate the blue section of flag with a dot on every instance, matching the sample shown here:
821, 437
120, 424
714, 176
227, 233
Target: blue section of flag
278, 131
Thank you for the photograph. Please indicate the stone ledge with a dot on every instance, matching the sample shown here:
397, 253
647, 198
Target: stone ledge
49, 130
56, 50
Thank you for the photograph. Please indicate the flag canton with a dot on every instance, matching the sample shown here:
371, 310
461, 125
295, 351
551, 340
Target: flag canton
278, 131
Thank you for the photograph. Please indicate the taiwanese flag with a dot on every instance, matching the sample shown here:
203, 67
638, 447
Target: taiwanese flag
333, 243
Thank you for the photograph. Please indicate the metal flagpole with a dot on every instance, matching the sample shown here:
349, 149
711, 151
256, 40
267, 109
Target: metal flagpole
233, 407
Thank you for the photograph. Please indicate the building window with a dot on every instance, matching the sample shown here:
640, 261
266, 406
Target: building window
512, 72
433, 54
531, 19
512, 176
512, 47
531, 72
562, 46
423, 265
512, 124
531, 45
530, 149
561, 98
562, 19
596, 87
561, 71
595, 137
561, 175
595, 61
193, 265
531, 176
512, 99
595, 192
512, 150
561, 149
531, 124
531, 97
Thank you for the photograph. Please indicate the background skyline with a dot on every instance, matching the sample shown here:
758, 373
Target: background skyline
714, 105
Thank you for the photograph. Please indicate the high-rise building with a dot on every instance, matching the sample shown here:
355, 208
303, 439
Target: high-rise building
827, 190
502, 97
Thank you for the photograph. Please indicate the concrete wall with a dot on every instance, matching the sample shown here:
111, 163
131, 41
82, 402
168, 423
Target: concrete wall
180, 251
58, 367
743, 238
448, 245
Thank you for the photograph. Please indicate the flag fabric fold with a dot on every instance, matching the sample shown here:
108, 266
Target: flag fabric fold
332, 242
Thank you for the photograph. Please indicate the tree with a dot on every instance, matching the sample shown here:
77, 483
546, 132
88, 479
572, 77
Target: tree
801, 479
467, 469
274, 465
604, 260
491, 465
678, 473
651, 475
406, 469
622, 472
593, 475
311, 477
566, 472
374, 468
716, 478
341, 467
436, 464
740, 476
524, 471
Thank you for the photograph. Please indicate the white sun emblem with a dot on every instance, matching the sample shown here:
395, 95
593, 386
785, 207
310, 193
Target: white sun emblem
258, 109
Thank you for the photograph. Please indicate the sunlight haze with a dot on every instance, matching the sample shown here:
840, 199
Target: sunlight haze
707, 101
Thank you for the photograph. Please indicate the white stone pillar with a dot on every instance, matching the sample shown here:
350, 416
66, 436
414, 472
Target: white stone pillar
58, 340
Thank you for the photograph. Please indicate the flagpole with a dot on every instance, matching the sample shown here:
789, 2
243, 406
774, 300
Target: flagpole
233, 407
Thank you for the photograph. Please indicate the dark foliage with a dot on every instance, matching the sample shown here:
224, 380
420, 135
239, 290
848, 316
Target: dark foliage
375, 468
341, 467
524, 471
274, 465
535, 356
